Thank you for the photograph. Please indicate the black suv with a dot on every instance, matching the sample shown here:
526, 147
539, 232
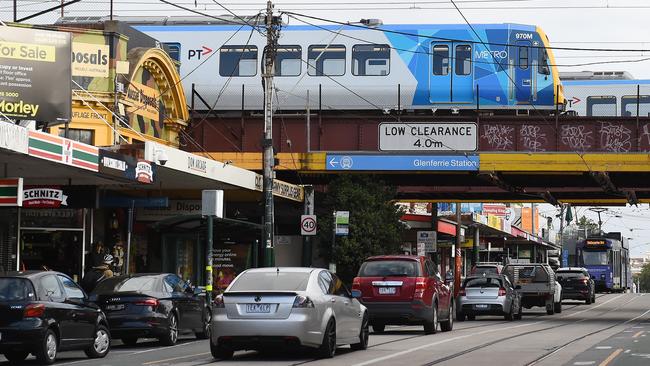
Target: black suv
576, 284
43, 313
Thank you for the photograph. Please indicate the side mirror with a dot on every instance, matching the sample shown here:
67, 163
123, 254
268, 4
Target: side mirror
356, 294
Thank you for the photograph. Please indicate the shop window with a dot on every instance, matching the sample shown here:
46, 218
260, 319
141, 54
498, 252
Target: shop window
326, 60
463, 59
83, 136
288, 61
370, 60
238, 61
604, 105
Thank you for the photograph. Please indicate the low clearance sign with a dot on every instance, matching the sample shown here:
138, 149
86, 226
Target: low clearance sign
35, 72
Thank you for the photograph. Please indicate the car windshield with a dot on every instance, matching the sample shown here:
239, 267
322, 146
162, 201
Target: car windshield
405, 268
483, 282
594, 258
271, 281
565, 275
126, 284
16, 289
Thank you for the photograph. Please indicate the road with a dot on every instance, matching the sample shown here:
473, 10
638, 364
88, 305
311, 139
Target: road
613, 331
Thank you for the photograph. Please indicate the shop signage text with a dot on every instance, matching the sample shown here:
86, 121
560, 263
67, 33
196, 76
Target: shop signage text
35, 72
14, 138
414, 136
62, 150
281, 189
175, 208
144, 172
126, 166
90, 59
144, 100
44, 197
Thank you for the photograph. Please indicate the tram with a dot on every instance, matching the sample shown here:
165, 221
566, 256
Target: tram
608, 262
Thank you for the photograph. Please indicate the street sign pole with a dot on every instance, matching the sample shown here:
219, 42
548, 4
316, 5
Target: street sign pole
459, 260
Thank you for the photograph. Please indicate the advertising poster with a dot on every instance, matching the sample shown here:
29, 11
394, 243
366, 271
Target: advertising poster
229, 260
35, 74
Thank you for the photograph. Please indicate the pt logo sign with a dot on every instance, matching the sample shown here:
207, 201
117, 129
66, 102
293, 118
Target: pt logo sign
198, 53
308, 225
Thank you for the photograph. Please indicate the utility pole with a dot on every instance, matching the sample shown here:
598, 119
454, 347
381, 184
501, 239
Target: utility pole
267, 78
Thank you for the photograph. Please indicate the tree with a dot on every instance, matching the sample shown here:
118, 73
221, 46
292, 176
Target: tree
375, 226
644, 279
589, 224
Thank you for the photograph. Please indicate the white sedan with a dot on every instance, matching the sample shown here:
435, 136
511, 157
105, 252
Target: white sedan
276, 306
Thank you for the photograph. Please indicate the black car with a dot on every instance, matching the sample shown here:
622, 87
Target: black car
43, 313
576, 284
152, 306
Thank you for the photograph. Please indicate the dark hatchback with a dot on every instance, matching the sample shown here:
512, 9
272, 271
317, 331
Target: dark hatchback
576, 284
152, 306
43, 313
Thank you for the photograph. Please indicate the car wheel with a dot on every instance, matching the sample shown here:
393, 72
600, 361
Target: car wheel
550, 310
510, 316
171, 337
101, 344
431, 327
364, 333
205, 333
558, 307
221, 352
460, 316
588, 300
520, 313
130, 341
327, 348
46, 351
593, 298
16, 357
448, 324
378, 328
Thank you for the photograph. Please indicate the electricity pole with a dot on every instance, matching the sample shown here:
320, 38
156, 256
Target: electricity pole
267, 78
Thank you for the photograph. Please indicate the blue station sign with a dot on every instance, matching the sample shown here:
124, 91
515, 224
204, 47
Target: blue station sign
378, 162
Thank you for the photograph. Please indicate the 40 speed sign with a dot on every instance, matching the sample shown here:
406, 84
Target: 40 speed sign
308, 225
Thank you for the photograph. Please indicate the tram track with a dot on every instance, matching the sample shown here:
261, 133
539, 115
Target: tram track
488, 344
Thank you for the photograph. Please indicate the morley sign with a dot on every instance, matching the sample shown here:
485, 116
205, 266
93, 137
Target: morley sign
407, 136
35, 72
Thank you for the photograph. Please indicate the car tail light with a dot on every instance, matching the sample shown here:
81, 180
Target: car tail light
356, 283
148, 302
502, 292
585, 281
303, 302
218, 302
420, 287
461, 292
34, 311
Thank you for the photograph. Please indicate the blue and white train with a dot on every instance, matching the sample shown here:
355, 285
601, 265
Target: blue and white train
408, 67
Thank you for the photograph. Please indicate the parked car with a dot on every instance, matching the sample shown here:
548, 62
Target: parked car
488, 295
576, 284
538, 285
486, 268
405, 289
267, 307
43, 313
152, 305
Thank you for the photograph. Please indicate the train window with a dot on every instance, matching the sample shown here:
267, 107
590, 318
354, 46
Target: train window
523, 57
370, 60
463, 59
326, 60
440, 60
602, 105
629, 104
174, 50
238, 61
288, 61
542, 59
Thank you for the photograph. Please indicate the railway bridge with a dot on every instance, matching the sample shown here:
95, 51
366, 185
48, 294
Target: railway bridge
569, 159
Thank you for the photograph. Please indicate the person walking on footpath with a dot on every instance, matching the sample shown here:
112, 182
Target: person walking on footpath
97, 274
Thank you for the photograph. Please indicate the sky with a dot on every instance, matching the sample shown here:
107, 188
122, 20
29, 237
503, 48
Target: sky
612, 24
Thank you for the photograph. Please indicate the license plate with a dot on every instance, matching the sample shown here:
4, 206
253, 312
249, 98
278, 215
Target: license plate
568, 288
114, 307
258, 308
481, 306
387, 290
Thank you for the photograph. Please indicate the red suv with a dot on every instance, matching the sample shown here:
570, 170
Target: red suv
402, 290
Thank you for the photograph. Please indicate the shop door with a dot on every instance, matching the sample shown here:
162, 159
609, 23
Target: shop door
451, 79
183, 256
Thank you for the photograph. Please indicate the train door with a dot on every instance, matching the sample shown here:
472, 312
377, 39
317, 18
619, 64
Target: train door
523, 72
452, 77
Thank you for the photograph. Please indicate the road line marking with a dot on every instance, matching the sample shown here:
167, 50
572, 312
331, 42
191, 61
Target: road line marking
584, 363
637, 334
627, 351
176, 358
611, 357
604, 347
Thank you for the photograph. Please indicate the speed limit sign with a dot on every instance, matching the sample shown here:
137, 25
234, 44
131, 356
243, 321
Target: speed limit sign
308, 225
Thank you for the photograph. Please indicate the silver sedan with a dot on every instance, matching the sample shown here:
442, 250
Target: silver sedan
488, 295
271, 307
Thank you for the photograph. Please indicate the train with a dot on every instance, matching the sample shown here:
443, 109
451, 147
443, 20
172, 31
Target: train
607, 258
414, 68
606, 93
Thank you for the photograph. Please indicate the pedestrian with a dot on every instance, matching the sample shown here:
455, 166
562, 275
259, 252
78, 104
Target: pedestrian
96, 256
97, 274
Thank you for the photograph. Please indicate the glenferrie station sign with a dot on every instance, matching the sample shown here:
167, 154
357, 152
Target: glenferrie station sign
35, 73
